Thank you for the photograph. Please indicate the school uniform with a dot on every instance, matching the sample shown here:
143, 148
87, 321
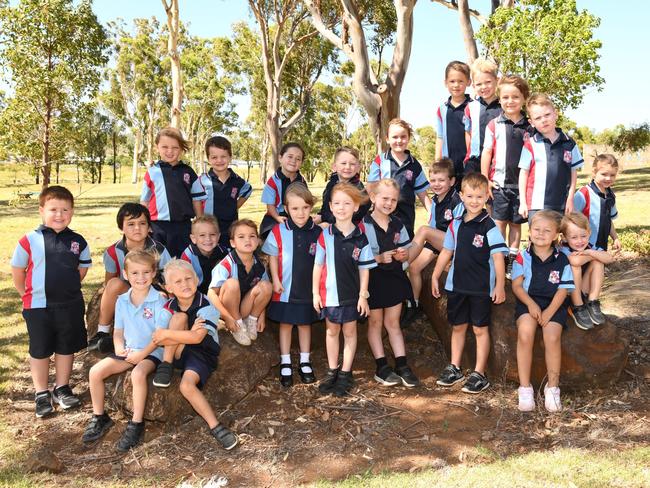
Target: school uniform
295, 248
411, 180
273, 194
202, 358
505, 138
568, 250
326, 213
203, 265
472, 277
443, 212
342, 257
600, 209
53, 306
542, 279
549, 167
477, 115
116, 252
221, 199
389, 285
450, 127
232, 267
138, 322
169, 192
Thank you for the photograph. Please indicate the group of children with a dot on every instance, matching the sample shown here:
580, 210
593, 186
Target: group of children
186, 261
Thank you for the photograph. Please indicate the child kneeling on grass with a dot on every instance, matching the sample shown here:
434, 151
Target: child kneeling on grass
191, 344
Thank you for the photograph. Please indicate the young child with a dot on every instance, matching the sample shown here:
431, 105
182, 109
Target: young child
399, 164
450, 128
172, 192
346, 169
48, 266
504, 141
291, 247
240, 287
388, 285
480, 111
291, 157
191, 344
138, 313
549, 162
476, 278
225, 190
598, 202
340, 285
541, 277
445, 206
588, 267
205, 252
134, 221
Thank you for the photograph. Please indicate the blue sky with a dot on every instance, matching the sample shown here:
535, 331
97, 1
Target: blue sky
437, 40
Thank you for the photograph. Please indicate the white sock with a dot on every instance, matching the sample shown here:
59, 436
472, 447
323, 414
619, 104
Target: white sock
252, 320
285, 359
304, 358
514, 250
240, 323
409, 304
104, 328
417, 303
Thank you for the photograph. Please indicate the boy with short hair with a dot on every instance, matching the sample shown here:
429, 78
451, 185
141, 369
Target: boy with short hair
549, 162
205, 252
191, 344
480, 111
476, 278
226, 191
138, 313
48, 266
134, 221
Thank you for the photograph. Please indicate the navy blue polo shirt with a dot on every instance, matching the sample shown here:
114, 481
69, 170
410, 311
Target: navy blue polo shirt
473, 244
477, 115
445, 210
232, 267
170, 190
200, 308
115, 254
505, 138
276, 187
203, 265
543, 278
325, 211
52, 261
381, 240
451, 129
600, 209
295, 248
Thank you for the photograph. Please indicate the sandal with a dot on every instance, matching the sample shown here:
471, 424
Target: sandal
309, 377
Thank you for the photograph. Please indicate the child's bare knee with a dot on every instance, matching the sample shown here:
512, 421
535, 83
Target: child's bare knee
187, 387
231, 284
179, 321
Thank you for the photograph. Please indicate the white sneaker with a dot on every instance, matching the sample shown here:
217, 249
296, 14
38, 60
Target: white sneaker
552, 400
241, 334
251, 327
526, 399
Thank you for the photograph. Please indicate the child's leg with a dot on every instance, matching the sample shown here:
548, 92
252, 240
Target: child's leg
285, 338
375, 321
256, 300
482, 335
177, 322
304, 338
594, 278
526, 329
62, 368
552, 333
458, 343
576, 294
40, 369
349, 344
230, 297
112, 290
502, 225
332, 343
514, 235
98, 373
190, 390
395, 337
415, 271
139, 379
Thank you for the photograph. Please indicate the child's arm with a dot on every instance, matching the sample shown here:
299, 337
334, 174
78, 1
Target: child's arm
241, 201
439, 143
579, 258
168, 337
229, 320
443, 259
616, 244
523, 181
134, 357
118, 342
83, 271
499, 292
556, 303
519, 292
486, 159
244, 194
198, 207
362, 303
109, 276
315, 287
273, 212
275, 278
426, 201
19, 276
572, 190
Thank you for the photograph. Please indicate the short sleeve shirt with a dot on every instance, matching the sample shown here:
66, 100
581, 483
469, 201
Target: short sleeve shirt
222, 197
232, 267
203, 265
201, 308
505, 138
445, 210
380, 240
600, 209
276, 187
543, 278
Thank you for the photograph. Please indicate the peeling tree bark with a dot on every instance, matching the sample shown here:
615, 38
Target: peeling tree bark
171, 8
467, 30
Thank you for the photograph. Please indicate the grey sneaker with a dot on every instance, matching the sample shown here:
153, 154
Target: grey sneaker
476, 383
44, 405
450, 376
387, 377
65, 398
581, 317
596, 314
225, 437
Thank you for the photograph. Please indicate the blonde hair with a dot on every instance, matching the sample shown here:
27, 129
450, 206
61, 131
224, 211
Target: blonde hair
474, 181
206, 219
550, 215
175, 264
518, 82
541, 99
604, 159
141, 256
347, 149
350, 190
576, 218
483, 65
403, 124
174, 133
300, 190
384, 183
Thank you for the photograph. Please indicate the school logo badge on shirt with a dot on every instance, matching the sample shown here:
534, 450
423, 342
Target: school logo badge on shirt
568, 157
233, 193
312, 249
147, 313
186, 178
478, 240
409, 175
554, 277
448, 214
356, 253
74, 247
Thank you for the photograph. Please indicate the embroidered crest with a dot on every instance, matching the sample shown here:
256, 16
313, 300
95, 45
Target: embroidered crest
478, 240
186, 178
233, 193
448, 214
567, 157
74, 247
554, 277
356, 253
312, 249
147, 313
396, 238
409, 175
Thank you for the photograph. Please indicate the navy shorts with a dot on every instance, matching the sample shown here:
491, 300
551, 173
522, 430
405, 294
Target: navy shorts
151, 358
59, 329
341, 314
505, 205
201, 358
175, 236
543, 302
474, 310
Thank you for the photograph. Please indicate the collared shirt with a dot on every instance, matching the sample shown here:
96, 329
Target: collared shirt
276, 187
543, 278
295, 248
52, 261
409, 176
451, 129
600, 209
200, 308
232, 267
325, 211
203, 265
445, 210
473, 244
505, 138
549, 165
567, 250
115, 253
342, 257
221, 199
170, 190
140, 321
381, 240
477, 115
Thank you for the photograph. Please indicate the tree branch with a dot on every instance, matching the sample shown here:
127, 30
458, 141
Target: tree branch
454, 6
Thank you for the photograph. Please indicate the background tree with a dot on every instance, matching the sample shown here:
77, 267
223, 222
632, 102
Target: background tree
247, 147
425, 144
173, 32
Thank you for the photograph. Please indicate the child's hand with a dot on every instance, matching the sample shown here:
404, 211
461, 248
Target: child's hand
385, 257
261, 323
569, 206
231, 325
159, 335
545, 317
534, 311
277, 287
134, 357
362, 306
523, 209
281, 219
616, 245
199, 324
317, 302
499, 295
317, 219
401, 254
435, 286
122, 352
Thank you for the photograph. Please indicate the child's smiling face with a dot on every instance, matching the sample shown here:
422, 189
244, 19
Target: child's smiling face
139, 275
576, 237
440, 182
456, 82
298, 210
56, 214
605, 176
219, 159
169, 149
398, 138
346, 166
385, 199
205, 236
291, 160
485, 85
343, 206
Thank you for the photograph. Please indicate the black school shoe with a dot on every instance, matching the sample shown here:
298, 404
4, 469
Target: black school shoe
407, 377
225, 437
163, 376
581, 317
96, 428
65, 398
450, 376
387, 377
326, 385
595, 313
286, 380
133, 435
309, 377
101, 342
43, 401
344, 383
476, 383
